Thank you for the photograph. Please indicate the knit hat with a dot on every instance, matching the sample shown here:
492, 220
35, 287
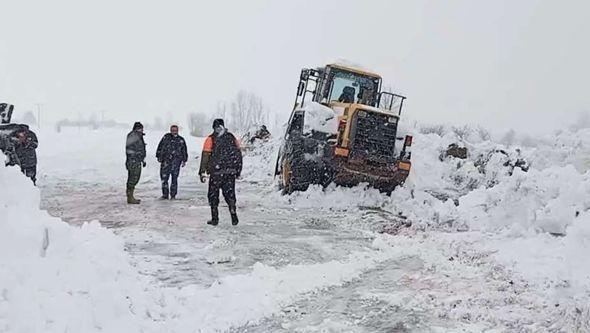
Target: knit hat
218, 122
137, 125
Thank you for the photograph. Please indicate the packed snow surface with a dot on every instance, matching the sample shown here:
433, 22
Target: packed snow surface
469, 245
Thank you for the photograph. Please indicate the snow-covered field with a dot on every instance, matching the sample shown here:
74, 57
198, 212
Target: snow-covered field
468, 245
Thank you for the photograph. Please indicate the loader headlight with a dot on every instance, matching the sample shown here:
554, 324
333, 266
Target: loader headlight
362, 114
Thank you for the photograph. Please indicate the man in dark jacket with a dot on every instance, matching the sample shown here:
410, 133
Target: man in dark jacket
135, 150
222, 160
172, 154
25, 144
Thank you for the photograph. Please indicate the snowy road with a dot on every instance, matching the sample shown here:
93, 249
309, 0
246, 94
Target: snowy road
170, 241
318, 262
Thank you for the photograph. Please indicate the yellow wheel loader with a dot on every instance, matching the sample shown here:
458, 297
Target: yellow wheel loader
343, 129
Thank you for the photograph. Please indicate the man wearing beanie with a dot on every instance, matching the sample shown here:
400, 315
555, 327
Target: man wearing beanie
222, 160
135, 151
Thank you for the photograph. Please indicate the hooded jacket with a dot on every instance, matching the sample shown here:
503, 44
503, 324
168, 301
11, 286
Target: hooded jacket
221, 154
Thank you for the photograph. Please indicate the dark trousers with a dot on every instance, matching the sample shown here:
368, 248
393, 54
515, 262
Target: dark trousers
227, 184
170, 169
133, 174
31, 172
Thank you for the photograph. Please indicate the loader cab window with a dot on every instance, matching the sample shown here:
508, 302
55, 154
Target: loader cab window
344, 90
347, 87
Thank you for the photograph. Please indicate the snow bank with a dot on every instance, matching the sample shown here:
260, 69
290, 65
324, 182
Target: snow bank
536, 223
58, 278
260, 161
484, 192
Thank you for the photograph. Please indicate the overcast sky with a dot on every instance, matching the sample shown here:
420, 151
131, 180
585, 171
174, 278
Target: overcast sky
501, 64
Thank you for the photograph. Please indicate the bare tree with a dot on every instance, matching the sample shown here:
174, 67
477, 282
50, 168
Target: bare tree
245, 111
483, 133
439, 130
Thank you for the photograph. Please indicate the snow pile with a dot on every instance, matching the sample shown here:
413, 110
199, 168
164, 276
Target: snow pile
260, 161
565, 148
58, 278
536, 222
319, 118
548, 200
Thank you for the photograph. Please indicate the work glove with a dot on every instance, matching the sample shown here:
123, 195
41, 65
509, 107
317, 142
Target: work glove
203, 178
144, 164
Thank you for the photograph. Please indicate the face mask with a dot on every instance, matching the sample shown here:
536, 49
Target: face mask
219, 129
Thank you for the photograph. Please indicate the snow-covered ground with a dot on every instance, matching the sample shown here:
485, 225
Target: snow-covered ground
466, 246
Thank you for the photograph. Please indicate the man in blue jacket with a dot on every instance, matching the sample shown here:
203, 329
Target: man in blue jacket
172, 155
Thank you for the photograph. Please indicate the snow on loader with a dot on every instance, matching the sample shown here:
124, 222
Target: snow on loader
343, 129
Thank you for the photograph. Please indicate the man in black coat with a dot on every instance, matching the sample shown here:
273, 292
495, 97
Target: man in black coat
222, 160
135, 151
25, 144
172, 154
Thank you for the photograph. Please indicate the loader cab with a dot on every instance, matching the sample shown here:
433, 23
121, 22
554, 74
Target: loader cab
337, 84
344, 85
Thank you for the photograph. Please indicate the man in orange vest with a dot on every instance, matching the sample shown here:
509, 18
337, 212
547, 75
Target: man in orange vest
222, 160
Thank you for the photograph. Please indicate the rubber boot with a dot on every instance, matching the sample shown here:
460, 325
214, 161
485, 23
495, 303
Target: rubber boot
214, 216
130, 198
234, 215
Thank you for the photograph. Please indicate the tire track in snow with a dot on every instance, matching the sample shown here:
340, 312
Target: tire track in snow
237, 300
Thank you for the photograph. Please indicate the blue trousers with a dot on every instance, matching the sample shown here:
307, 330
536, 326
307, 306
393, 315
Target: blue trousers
170, 169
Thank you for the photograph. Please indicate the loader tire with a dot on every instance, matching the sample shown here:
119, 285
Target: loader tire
295, 175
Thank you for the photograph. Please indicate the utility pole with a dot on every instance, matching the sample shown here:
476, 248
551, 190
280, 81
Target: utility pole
102, 112
39, 114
